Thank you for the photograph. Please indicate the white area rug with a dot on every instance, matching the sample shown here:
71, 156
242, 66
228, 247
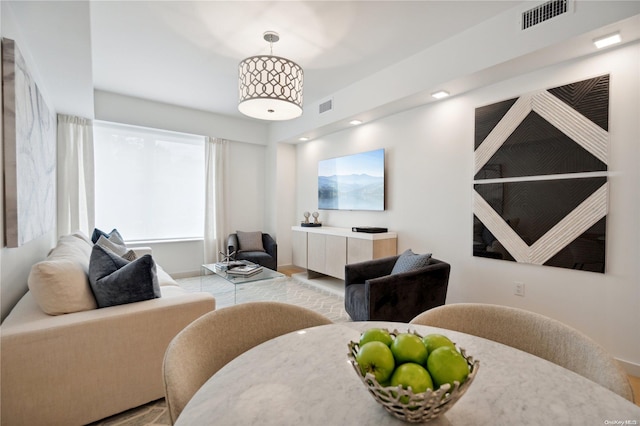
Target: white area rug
288, 290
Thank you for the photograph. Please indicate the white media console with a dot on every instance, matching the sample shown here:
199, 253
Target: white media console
325, 250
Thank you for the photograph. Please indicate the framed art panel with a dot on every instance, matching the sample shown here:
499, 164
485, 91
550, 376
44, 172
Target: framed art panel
541, 187
555, 131
558, 222
29, 129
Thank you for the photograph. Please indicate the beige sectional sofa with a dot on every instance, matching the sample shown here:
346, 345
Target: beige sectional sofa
78, 367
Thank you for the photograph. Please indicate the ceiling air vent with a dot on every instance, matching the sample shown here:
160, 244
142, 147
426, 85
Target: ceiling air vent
544, 12
326, 106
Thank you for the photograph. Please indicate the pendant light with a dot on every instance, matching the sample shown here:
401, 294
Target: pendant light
270, 87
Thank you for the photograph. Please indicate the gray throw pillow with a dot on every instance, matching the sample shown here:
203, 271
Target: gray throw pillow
409, 261
130, 255
250, 241
116, 281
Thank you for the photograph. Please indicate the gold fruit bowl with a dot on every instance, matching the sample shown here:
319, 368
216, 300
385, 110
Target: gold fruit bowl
414, 407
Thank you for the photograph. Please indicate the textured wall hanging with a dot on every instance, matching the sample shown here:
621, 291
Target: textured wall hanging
29, 152
540, 188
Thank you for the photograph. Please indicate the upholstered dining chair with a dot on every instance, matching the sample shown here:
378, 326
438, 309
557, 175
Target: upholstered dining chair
536, 334
210, 342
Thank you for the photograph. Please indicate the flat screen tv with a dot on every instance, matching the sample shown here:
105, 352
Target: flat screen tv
352, 182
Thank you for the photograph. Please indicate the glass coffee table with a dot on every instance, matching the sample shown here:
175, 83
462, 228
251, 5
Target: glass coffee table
236, 280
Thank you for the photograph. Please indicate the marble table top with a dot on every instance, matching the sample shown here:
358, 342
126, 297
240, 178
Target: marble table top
304, 378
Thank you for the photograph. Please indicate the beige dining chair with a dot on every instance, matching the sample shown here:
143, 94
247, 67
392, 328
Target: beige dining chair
210, 342
536, 334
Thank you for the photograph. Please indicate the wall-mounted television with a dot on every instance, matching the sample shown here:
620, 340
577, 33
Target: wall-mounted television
352, 182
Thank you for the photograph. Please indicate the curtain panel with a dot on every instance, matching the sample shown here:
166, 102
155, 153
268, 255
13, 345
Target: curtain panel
76, 208
215, 232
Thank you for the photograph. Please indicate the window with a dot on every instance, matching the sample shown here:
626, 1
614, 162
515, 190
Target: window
149, 183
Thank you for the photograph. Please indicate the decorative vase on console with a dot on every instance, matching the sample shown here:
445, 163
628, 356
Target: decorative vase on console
315, 222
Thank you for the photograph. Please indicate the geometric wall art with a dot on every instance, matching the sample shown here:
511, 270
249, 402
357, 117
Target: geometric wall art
540, 187
29, 133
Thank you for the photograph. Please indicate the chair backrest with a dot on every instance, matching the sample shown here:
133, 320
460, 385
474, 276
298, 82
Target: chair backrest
534, 333
214, 339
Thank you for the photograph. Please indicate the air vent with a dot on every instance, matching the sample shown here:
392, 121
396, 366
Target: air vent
326, 106
544, 12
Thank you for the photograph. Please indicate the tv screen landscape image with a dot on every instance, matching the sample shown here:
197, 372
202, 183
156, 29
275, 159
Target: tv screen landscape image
352, 182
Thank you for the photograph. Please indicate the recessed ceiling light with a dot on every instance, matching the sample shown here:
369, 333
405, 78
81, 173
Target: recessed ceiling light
607, 40
355, 122
440, 94
303, 139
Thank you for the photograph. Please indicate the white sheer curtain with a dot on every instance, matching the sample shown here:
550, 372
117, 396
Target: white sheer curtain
76, 208
215, 233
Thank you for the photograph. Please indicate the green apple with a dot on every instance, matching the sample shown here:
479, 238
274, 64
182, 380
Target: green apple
375, 335
408, 347
376, 358
411, 375
434, 341
447, 365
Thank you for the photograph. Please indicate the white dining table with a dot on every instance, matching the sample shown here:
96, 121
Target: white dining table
304, 378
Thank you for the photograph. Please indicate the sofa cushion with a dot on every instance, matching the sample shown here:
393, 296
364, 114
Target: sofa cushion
250, 241
82, 236
116, 281
164, 279
59, 283
409, 261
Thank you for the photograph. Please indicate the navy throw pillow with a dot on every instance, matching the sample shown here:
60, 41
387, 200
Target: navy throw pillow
116, 281
97, 233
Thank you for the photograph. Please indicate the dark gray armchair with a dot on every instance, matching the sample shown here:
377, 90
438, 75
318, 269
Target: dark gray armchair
371, 293
267, 258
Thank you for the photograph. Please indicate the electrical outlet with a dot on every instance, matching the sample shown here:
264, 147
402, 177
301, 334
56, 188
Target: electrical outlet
518, 288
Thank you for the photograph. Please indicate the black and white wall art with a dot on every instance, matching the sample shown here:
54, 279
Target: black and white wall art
540, 185
29, 152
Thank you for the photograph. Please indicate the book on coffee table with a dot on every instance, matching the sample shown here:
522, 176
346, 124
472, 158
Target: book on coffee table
245, 270
225, 266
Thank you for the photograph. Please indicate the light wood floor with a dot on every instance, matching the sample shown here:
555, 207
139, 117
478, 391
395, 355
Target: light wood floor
290, 270
635, 384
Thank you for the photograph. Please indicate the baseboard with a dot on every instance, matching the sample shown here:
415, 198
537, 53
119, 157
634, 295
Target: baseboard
631, 368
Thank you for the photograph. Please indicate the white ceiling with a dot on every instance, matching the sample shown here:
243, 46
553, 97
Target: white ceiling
373, 58
187, 52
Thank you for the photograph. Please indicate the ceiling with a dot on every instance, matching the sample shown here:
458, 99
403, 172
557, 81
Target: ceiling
186, 52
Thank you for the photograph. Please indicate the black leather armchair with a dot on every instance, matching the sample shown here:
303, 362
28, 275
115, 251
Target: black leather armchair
371, 293
267, 258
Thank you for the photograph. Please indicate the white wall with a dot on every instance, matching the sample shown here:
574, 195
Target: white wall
15, 263
284, 196
59, 39
246, 195
140, 112
429, 154
246, 167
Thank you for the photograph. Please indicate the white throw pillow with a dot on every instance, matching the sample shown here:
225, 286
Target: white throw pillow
61, 287
60, 284
112, 245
